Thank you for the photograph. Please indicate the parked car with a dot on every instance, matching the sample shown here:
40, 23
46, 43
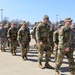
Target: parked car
31, 30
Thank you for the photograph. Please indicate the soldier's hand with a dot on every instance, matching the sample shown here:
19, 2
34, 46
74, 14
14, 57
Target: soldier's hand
67, 49
19, 42
41, 43
56, 46
9, 39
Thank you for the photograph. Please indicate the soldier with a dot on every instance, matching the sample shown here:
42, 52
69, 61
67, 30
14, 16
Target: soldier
34, 32
8, 26
3, 37
73, 36
51, 36
64, 47
24, 39
42, 37
56, 40
12, 38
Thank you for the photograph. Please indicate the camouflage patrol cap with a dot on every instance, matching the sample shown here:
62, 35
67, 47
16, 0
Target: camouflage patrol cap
46, 17
60, 24
24, 22
68, 19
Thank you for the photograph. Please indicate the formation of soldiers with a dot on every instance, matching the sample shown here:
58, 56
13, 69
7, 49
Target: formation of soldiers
47, 40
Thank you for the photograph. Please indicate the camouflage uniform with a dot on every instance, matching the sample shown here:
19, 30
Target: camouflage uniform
3, 38
24, 39
12, 34
56, 40
51, 37
34, 33
73, 37
42, 35
7, 28
64, 48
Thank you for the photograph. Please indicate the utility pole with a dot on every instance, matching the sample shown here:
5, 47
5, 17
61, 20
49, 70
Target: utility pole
1, 15
57, 19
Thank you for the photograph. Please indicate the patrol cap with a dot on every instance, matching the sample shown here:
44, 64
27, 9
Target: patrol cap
46, 17
24, 22
13, 23
68, 19
60, 24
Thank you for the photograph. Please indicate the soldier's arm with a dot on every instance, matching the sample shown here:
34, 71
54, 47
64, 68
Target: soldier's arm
9, 33
38, 34
55, 37
29, 35
33, 33
61, 34
19, 36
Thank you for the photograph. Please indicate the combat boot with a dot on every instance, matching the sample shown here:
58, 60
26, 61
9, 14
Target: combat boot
13, 54
25, 58
48, 66
40, 65
4, 50
57, 73
72, 73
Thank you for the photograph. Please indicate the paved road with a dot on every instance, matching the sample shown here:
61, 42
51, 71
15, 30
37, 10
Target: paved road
14, 65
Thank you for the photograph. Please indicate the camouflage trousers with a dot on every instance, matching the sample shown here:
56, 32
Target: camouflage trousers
24, 48
13, 46
60, 55
3, 43
56, 52
8, 43
41, 50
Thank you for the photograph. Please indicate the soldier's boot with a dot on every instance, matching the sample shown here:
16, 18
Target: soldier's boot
25, 57
40, 65
11, 50
14, 52
57, 73
8, 44
1, 49
72, 73
4, 49
47, 65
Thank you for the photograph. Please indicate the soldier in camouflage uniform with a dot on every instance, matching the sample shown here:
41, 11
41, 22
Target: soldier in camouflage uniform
8, 26
42, 36
24, 39
56, 40
64, 47
34, 33
3, 37
73, 36
12, 38
51, 36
